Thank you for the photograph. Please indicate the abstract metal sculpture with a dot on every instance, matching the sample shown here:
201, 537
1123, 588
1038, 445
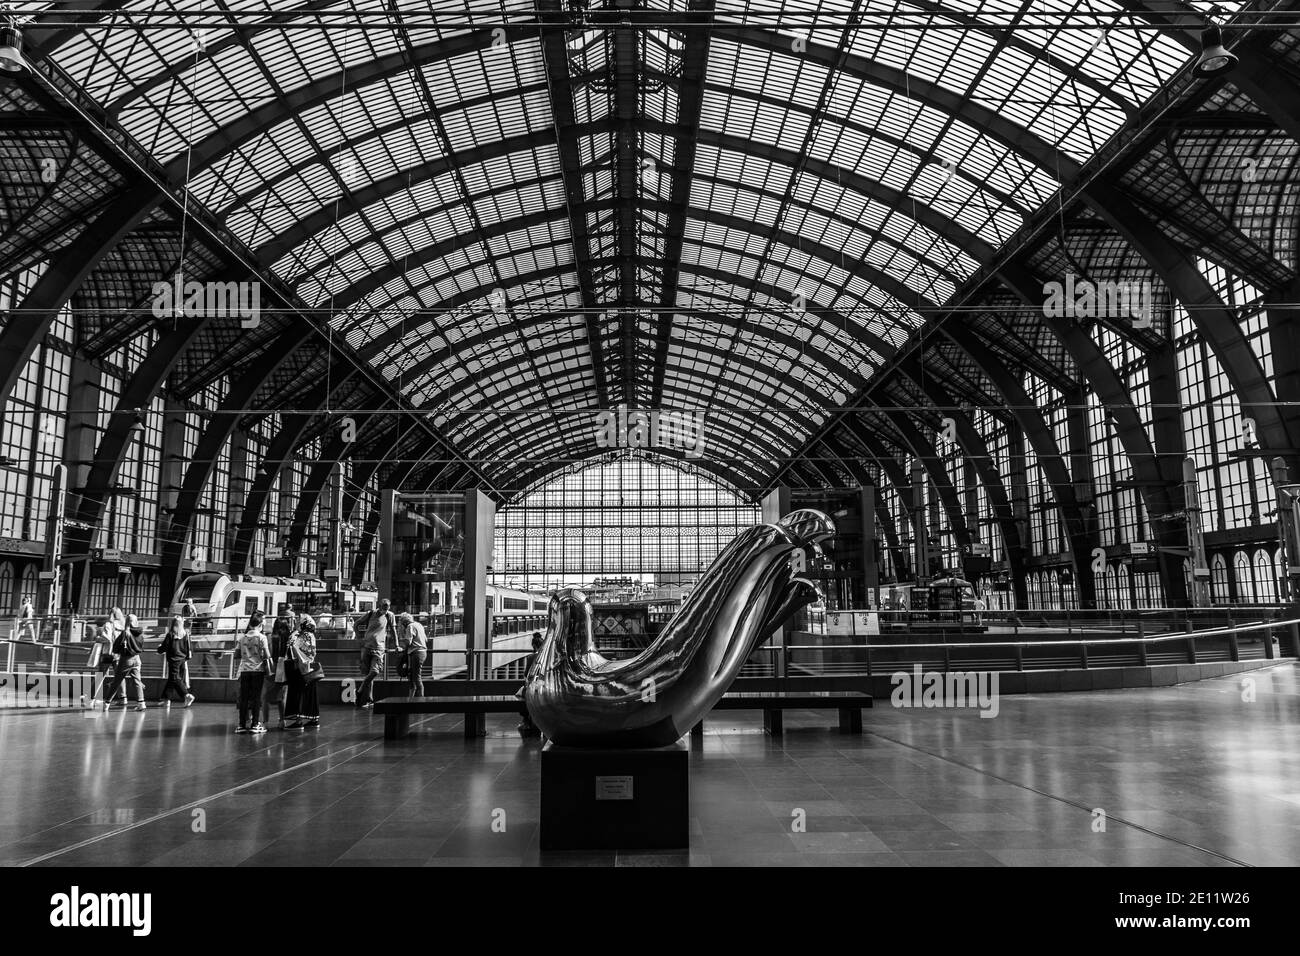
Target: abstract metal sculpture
578, 698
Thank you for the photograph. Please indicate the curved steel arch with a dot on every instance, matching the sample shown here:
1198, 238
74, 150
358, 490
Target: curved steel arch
975, 450
522, 448
730, 469
925, 452
435, 359
858, 268
883, 517
809, 393
398, 332
221, 425
1216, 322
278, 454
1019, 140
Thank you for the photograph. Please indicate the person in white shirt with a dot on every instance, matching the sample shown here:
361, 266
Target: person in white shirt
254, 655
27, 620
415, 650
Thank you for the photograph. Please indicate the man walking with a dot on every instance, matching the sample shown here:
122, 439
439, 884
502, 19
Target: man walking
374, 628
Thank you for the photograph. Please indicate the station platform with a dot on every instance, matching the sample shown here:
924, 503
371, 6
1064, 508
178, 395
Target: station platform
1200, 774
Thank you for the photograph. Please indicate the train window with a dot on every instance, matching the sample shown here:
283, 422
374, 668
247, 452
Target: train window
250, 604
198, 590
231, 599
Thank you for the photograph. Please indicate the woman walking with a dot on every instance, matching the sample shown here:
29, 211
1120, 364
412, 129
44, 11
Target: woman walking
107, 636
127, 646
302, 707
416, 650
275, 685
254, 655
175, 648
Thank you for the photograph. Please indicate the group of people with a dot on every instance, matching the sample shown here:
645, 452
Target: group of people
122, 642
279, 670
375, 629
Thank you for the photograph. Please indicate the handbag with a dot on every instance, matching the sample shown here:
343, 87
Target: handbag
403, 665
280, 677
315, 673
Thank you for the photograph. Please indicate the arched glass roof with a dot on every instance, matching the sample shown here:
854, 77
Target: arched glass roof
520, 214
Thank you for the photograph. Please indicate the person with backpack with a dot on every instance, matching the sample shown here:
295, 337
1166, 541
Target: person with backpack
175, 648
127, 647
374, 628
254, 655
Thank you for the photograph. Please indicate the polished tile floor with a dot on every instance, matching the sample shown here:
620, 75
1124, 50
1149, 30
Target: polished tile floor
1204, 774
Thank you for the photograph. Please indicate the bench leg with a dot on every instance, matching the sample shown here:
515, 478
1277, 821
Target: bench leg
475, 726
850, 720
772, 722
396, 726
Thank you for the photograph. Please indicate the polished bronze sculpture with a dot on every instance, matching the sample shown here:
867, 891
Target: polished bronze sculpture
578, 698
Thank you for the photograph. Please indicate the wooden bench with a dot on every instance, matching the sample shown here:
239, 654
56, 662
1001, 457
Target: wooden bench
397, 711
773, 704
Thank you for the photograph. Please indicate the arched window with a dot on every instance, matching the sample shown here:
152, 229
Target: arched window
1219, 592
7, 601
1245, 580
1265, 579
31, 582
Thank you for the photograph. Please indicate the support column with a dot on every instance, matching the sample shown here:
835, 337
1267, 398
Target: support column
1171, 450
870, 567
920, 532
384, 543
1200, 584
480, 522
1018, 488
775, 506
1080, 457
78, 455
239, 491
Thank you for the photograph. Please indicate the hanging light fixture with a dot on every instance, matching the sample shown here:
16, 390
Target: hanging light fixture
1215, 58
11, 49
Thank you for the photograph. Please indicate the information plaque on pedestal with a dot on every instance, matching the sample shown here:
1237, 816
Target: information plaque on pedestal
597, 799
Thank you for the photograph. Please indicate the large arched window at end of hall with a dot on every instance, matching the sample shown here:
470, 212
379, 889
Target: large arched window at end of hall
630, 516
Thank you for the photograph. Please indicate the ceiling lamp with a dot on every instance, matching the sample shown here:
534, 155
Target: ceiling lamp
1215, 58
11, 49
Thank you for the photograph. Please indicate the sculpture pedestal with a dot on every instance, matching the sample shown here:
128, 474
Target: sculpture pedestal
601, 799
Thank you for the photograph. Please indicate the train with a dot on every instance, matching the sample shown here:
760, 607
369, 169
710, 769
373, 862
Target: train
224, 603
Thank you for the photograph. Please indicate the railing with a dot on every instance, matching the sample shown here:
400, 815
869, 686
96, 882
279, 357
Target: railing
1147, 639
1254, 640
1083, 623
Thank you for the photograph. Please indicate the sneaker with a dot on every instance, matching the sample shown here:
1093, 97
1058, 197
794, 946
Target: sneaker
367, 706
242, 730
259, 729
314, 722
297, 727
138, 707
189, 699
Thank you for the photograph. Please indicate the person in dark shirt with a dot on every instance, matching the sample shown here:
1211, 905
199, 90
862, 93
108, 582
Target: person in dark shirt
175, 648
126, 648
273, 692
526, 726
